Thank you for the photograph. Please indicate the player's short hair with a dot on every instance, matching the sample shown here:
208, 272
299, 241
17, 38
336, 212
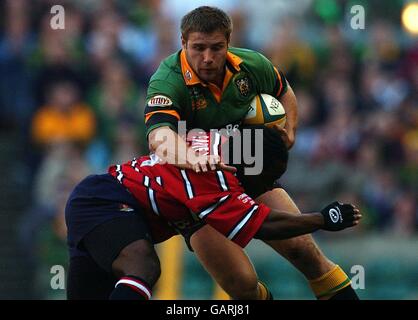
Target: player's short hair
206, 19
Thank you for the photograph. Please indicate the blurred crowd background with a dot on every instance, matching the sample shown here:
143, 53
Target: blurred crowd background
72, 100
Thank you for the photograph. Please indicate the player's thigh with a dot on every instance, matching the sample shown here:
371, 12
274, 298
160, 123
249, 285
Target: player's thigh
123, 246
279, 199
297, 248
226, 262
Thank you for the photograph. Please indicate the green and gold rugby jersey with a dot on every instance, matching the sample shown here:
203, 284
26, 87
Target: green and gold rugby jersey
176, 93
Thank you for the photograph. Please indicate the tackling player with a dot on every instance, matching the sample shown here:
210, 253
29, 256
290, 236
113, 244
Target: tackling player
110, 241
210, 86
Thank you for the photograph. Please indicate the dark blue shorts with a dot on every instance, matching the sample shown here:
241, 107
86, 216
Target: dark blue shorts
99, 205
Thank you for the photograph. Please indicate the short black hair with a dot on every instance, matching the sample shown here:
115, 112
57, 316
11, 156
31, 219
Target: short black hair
206, 19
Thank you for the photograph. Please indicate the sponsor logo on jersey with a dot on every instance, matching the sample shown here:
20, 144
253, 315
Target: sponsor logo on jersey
243, 85
160, 101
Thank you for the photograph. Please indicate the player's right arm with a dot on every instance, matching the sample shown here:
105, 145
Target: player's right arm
162, 112
169, 146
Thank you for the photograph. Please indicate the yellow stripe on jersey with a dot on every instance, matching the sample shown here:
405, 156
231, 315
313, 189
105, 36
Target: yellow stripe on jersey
191, 78
281, 83
217, 93
170, 112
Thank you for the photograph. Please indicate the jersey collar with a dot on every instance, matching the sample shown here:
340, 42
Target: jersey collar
191, 78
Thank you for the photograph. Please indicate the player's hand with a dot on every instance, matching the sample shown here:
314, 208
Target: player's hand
338, 216
205, 163
216, 164
225, 167
288, 136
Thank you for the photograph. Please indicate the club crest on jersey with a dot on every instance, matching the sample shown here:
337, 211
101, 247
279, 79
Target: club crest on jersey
198, 99
243, 85
160, 101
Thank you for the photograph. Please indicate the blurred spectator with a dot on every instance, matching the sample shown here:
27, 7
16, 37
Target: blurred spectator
127, 142
266, 16
379, 193
62, 168
383, 47
64, 118
17, 43
102, 41
176, 9
157, 41
115, 99
115, 96
60, 54
339, 137
308, 117
292, 55
405, 220
240, 26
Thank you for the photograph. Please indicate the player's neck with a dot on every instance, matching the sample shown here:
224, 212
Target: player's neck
219, 81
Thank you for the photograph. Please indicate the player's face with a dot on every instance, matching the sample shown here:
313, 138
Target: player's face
206, 54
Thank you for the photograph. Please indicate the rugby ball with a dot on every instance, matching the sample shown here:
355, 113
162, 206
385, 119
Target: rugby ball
266, 109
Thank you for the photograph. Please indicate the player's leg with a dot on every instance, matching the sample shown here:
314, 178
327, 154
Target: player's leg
297, 250
228, 265
113, 266
327, 280
185, 192
105, 225
87, 281
122, 248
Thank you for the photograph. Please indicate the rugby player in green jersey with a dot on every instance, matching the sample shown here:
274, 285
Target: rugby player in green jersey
210, 86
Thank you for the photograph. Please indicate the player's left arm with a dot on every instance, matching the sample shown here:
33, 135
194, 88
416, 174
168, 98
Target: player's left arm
271, 80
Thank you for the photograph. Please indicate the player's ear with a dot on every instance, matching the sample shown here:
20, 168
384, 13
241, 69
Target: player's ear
183, 42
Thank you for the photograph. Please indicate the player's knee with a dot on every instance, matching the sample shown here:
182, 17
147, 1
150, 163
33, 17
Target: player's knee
138, 259
303, 250
295, 253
